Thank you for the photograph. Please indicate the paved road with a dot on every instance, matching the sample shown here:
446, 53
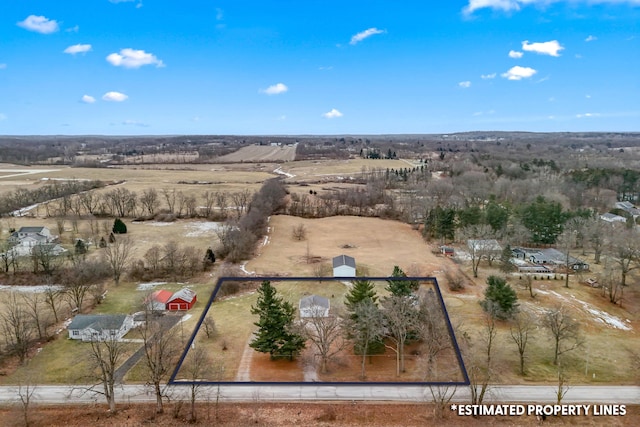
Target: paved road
519, 393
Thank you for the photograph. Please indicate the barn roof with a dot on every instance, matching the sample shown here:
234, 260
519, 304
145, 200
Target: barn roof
30, 229
99, 322
314, 301
161, 295
344, 260
184, 294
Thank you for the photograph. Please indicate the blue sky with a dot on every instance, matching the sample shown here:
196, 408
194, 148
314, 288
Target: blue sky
318, 66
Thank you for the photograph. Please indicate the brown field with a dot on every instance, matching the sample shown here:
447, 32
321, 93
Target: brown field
330, 169
260, 153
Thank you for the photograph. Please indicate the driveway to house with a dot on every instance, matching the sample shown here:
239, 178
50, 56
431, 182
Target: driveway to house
167, 322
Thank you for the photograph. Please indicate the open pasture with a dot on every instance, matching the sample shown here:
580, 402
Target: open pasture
261, 153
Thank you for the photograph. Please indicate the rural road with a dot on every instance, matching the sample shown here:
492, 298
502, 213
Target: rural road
242, 392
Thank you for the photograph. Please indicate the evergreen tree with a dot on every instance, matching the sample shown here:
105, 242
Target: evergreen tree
80, 247
275, 335
103, 243
360, 291
401, 288
506, 266
500, 300
119, 227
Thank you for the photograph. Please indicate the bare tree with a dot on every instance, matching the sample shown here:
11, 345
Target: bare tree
480, 362
433, 332
400, 319
17, 328
170, 198
150, 201
51, 299
325, 334
26, 393
118, 254
624, 248
197, 366
299, 232
480, 245
209, 200
363, 328
564, 331
160, 350
596, 233
527, 283
521, 329
222, 202
106, 354
563, 387
209, 327
41, 318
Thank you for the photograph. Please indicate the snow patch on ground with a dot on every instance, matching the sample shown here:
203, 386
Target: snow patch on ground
30, 289
598, 315
198, 229
279, 171
242, 267
185, 318
149, 285
155, 223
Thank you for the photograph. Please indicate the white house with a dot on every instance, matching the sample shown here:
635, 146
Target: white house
314, 306
611, 218
99, 327
26, 238
344, 266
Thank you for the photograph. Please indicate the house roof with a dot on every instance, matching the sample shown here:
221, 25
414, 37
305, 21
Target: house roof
612, 217
161, 295
184, 294
30, 229
344, 260
314, 301
99, 322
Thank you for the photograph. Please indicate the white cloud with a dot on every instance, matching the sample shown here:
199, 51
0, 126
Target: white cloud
219, 14
39, 24
275, 89
587, 115
465, 85
519, 73
515, 54
131, 58
332, 114
121, 1
114, 96
73, 29
78, 48
591, 38
134, 123
515, 5
365, 34
488, 76
88, 99
545, 48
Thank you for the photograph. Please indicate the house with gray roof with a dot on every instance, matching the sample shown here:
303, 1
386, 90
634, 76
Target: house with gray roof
344, 266
314, 306
99, 327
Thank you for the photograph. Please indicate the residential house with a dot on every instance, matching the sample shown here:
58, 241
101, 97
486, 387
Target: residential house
344, 266
554, 258
314, 306
484, 248
26, 238
612, 218
99, 327
184, 299
628, 208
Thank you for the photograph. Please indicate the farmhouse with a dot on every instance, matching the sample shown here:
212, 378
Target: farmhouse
314, 306
42, 234
553, 258
99, 327
628, 208
157, 301
344, 266
27, 238
184, 299
611, 218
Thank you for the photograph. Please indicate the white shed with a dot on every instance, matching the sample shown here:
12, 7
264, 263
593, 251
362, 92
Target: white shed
344, 266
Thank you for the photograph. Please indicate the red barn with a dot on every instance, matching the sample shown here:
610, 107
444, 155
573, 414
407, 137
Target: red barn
184, 299
157, 301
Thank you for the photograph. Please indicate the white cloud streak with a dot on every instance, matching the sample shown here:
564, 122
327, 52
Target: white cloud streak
131, 58
488, 76
114, 97
275, 89
88, 99
465, 85
519, 73
591, 38
357, 38
333, 114
516, 5
39, 24
515, 54
551, 48
78, 48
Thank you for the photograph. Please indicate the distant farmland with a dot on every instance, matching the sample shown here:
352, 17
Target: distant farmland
261, 153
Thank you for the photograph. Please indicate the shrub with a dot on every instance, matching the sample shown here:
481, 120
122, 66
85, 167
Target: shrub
119, 227
500, 300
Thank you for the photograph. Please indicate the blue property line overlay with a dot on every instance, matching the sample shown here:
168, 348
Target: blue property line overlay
221, 280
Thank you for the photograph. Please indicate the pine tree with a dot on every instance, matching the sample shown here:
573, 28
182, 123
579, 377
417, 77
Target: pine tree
119, 227
360, 291
275, 335
80, 247
401, 288
500, 300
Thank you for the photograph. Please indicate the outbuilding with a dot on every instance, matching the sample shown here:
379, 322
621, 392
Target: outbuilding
344, 266
184, 299
314, 306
